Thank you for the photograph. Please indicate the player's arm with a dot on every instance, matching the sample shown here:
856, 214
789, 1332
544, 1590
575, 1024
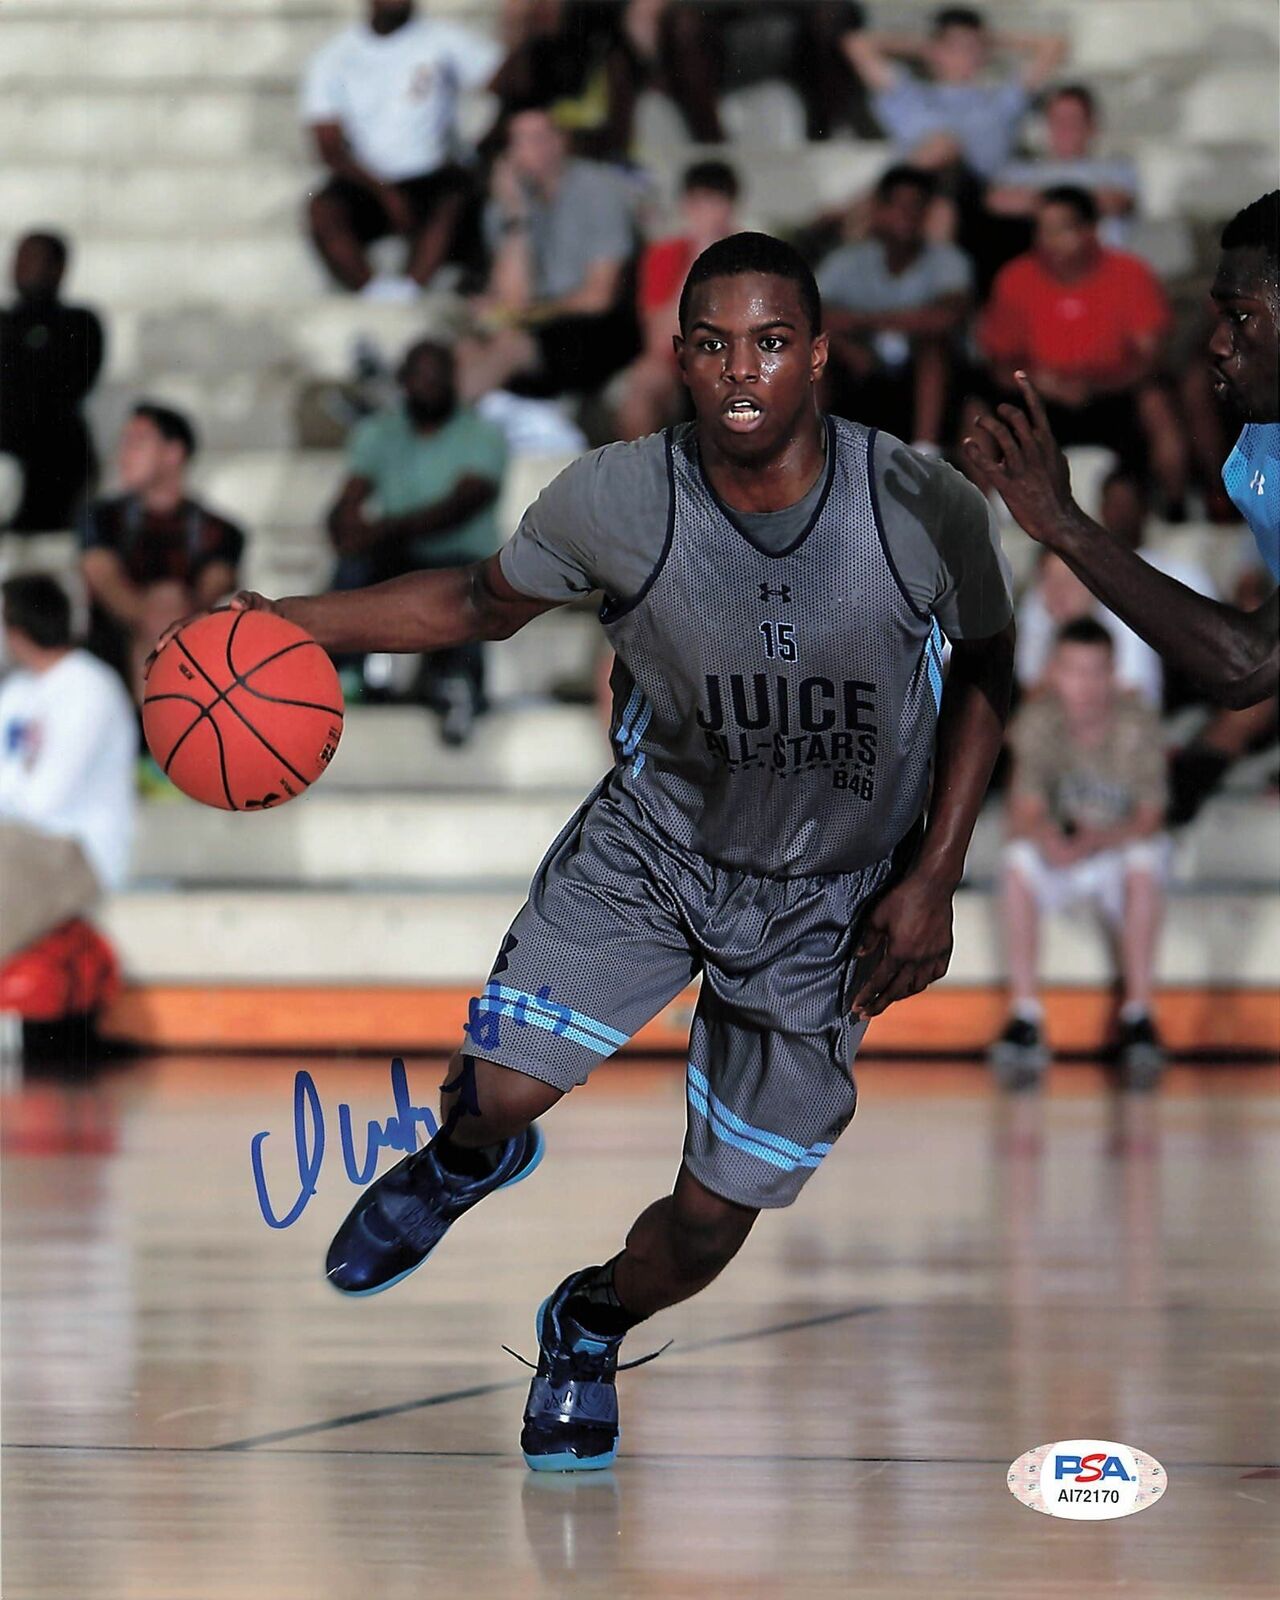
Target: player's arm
421, 612
906, 940
110, 585
1042, 53
1232, 655
871, 55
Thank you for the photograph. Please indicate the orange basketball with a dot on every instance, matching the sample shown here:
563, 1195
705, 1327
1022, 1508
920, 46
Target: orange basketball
243, 710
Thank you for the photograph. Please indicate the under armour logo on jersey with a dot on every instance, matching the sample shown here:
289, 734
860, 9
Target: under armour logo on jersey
766, 593
1258, 483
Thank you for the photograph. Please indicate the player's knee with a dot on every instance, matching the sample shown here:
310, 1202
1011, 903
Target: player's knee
325, 216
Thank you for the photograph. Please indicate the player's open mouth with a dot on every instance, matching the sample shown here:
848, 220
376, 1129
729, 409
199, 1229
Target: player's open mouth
741, 415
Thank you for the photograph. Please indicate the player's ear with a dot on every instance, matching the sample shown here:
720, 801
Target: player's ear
678, 345
819, 351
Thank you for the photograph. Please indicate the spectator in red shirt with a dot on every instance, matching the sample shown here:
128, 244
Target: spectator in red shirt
1088, 325
651, 389
152, 554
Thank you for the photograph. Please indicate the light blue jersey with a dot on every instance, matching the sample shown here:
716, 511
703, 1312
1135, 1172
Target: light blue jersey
1251, 477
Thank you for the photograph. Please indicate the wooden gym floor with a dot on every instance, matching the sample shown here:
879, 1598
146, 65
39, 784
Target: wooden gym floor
191, 1414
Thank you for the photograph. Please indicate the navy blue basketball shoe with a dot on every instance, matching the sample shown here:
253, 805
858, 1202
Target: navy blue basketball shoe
399, 1220
571, 1416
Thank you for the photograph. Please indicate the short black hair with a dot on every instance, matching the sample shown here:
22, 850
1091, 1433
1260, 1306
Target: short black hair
36, 604
168, 423
718, 176
1257, 227
742, 253
1076, 199
1086, 630
903, 176
959, 17
1075, 91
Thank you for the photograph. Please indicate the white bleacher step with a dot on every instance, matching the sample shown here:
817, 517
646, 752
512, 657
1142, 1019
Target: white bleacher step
146, 50
299, 937
464, 839
102, 123
528, 748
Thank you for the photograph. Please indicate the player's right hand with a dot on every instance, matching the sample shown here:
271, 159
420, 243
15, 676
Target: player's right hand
1014, 452
244, 600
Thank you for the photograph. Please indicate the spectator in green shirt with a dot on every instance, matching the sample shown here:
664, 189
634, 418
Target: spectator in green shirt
422, 492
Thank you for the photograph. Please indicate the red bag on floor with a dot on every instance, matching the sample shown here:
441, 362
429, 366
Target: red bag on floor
72, 971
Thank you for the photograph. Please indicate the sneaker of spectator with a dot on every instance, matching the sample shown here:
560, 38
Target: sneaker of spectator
68, 744
893, 305
652, 393
1089, 324
1072, 126
1086, 810
421, 492
50, 357
381, 101
558, 315
152, 553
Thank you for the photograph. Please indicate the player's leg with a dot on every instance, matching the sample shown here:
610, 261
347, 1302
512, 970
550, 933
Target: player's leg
343, 220
439, 203
593, 955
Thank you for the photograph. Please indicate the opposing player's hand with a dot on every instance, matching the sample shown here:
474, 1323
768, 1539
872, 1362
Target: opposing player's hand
1014, 452
905, 945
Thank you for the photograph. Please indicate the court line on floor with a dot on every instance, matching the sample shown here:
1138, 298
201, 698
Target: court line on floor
305, 1429
668, 1458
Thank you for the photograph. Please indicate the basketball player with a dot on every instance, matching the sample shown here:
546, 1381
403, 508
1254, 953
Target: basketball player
778, 584
1233, 655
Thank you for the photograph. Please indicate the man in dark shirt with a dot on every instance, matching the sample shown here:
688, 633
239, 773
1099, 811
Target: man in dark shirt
50, 355
152, 554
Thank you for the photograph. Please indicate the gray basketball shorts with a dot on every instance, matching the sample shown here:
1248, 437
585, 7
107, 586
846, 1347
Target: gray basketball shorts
617, 925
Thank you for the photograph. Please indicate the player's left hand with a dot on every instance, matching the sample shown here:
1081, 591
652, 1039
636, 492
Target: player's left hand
1015, 453
905, 943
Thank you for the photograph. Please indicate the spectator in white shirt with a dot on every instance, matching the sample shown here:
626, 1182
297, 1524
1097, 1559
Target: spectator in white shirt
381, 100
68, 750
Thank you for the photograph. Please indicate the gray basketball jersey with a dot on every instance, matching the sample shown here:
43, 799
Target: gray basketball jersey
776, 712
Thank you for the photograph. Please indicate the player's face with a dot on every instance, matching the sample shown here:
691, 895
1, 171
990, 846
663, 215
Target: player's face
708, 214
750, 362
1083, 678
535, 146
37, 270
1245, 346
427, 381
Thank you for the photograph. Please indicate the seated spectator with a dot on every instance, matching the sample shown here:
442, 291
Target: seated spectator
381, 101
68, 749
558, 314
589, 61
1088, 325
1086, 807
1057, 596
152, 553
956, 117
652, 393
434, 470
893, 305
1071, 121
50, 356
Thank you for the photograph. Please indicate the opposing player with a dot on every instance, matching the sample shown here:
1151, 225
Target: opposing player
1234, 655
778, 584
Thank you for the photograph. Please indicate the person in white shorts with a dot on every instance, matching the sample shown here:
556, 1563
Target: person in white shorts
1086, 814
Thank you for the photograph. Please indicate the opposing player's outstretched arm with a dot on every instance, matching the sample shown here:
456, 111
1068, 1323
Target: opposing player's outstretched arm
1233, 655
422, 611
906, 940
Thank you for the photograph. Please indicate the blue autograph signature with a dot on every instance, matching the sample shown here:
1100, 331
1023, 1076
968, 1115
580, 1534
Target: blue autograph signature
399, 1133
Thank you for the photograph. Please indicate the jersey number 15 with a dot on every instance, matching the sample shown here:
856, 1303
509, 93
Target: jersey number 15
779, 640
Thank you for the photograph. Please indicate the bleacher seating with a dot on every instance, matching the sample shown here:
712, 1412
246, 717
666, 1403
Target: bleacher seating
162, 135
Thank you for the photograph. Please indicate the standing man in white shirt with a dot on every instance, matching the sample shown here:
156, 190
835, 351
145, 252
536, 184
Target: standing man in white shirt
68, 751
381, 101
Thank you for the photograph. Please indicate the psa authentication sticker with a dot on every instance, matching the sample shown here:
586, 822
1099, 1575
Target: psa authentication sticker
1087, 1480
